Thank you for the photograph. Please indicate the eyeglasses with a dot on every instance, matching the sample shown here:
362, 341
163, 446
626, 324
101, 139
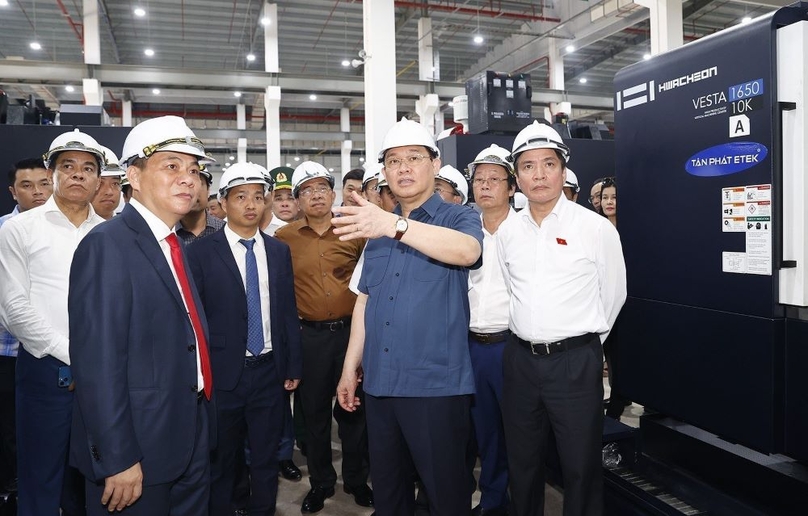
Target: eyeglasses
493, 181
412, 160
439, 190
308, 192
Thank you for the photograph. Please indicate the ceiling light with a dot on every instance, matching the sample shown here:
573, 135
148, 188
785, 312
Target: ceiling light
289, 165
746, 19
646, 56
70, 89
451, 104
312, 97
232, 158
237, 94
479, 39
149, 52
155, 91
35, 46
361, 159
3, 3
345, 62
330, 169
570, 48
226, 165
297, 158
139, 11
582, 80
251, 57
265, 21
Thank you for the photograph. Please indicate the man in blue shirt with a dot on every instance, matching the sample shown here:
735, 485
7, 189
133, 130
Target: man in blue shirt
408, 343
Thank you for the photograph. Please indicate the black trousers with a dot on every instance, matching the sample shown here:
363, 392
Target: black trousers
427, 435
8, 433
560, 393
323, 356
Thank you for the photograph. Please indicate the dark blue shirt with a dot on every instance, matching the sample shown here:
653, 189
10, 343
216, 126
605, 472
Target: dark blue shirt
417, 314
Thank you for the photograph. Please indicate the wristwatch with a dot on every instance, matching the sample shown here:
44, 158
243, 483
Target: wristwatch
401, 227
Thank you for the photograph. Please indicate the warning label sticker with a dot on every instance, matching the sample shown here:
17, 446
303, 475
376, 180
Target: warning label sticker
748, 210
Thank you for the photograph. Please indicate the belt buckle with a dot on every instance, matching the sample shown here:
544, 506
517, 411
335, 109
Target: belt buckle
533, 347
335, 325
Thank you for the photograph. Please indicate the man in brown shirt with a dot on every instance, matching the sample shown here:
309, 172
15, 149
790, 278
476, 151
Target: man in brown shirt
322, 267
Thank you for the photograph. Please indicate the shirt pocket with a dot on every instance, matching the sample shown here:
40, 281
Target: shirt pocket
428, 269
375, 266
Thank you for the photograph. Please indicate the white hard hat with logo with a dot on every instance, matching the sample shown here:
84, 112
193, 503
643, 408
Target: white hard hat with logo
456, 180
165, 133
111, 168
74, 141
494, 155
405, 133
572, 181
372, 171
538, 136
243, 174
307, 171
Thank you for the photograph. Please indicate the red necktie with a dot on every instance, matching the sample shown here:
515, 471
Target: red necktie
179, 267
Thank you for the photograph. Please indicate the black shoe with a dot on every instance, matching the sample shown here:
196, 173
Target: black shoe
289, 471
497, 511
315, 500
241, 512
363, 495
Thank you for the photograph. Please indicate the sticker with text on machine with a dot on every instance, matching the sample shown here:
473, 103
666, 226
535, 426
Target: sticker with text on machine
747, 209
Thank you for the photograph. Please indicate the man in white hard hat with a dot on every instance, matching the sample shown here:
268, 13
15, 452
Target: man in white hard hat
571, 187
560, 312
141, 431
198, 223
108, 196
370, 182
387, 197
451, 185
409, 341
36, 248
493, 183
245, 281
323, 264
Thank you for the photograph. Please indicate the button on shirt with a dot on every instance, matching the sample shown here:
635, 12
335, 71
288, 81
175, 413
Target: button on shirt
322, 267
567, 277
488, 295
36, 251
240, 255
160, 231
417, 313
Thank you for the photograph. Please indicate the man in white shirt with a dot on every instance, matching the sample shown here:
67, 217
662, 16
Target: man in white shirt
493, 183
36, 249
564, 268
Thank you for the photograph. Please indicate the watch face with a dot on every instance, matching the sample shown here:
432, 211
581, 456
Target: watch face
401, 225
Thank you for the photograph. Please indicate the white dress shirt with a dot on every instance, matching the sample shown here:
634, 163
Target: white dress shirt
161, 231
240, 254
566, 277
274, 225
488, 295
36, 250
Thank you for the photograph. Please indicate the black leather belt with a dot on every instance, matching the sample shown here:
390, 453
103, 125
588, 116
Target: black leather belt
334, 325
489, 338
260, 359
547, 348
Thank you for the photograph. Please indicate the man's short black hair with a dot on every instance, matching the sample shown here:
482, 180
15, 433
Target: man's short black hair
356, 173
213, 197
24, 164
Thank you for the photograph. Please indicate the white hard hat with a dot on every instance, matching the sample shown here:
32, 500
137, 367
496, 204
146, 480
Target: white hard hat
243, 174
372, 171
572, 181
407, 132
457, 181
74, 141
519, 200
539, 136
165, 133
111, 168
307, 171
494, 155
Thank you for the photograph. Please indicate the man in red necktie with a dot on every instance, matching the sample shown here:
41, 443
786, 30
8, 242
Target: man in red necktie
139, 340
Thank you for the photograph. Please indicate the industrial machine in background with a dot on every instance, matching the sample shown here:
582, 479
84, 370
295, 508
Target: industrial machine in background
710, 146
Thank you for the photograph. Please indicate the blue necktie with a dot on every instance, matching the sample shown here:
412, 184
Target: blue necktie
255, 328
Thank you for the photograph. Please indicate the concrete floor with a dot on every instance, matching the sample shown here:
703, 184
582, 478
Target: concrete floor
291, 494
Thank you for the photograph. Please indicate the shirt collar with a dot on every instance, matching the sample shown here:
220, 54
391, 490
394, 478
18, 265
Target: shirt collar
430, 206
511, 214
157, 226
50, 206
558, 210
233, 238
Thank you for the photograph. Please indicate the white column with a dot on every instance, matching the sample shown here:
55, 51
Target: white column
380, 72
93, 94
241, 117
92, 39
555, 65
427, 67
272, 105
271, 38
666, 24
241, 156
126, 113
347, 144
426, 106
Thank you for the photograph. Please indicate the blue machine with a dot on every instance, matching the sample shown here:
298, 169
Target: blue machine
710, 148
